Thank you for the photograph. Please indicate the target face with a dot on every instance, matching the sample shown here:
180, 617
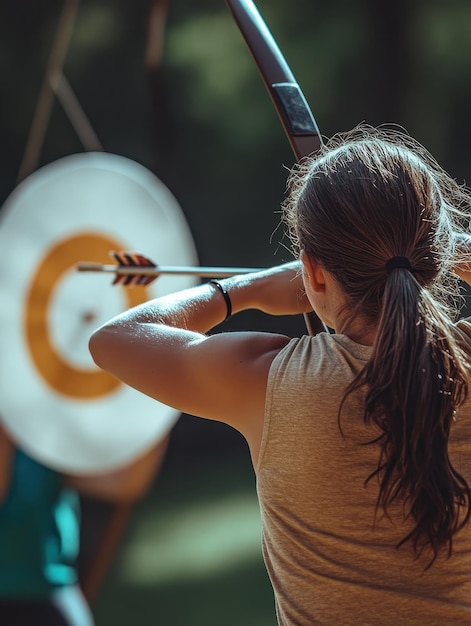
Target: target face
56, 403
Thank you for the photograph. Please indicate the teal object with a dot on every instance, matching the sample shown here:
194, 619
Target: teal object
39, 532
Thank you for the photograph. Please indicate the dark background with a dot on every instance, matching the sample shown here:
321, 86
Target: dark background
202, 121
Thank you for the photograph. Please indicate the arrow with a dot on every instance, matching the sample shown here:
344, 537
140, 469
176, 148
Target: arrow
128, 262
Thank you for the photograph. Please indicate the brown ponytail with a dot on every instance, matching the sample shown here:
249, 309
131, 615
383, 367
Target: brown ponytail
414, 384
371, 196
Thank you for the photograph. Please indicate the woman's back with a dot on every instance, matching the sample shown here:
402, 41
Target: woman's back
329, 559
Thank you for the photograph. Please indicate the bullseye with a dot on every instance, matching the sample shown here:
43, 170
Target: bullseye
56, 370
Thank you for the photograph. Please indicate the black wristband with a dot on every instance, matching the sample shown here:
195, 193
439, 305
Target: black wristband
226, 296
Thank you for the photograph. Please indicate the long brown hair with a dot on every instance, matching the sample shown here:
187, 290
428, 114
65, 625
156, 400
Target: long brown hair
371, 195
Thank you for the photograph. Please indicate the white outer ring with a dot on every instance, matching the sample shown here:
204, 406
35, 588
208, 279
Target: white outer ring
111, 196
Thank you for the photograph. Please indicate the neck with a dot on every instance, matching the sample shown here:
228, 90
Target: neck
358, 331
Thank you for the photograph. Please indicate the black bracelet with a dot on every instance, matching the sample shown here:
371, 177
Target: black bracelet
226, 296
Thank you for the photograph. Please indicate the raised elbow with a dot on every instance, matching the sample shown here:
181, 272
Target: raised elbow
97, 348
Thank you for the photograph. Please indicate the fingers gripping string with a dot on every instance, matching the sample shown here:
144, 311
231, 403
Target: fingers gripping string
226, 296
398, 262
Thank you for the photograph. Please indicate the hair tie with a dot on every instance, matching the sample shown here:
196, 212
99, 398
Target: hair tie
398, 262
226, 296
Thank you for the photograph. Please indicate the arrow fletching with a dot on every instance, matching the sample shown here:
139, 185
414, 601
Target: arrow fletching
128, 260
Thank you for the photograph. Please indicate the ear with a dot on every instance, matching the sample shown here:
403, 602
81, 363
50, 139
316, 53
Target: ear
313, 272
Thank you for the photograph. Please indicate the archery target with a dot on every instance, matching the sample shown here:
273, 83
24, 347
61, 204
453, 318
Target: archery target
56, 403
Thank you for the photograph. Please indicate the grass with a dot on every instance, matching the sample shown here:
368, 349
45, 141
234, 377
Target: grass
191, 554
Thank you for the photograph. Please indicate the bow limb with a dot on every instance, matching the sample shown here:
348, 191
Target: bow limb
289, 101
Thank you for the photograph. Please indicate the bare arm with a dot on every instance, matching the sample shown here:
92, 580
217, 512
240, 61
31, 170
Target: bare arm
161, 347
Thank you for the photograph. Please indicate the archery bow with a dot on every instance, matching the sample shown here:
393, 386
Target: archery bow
289, 101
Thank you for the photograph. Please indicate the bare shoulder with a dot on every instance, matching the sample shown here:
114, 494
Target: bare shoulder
228, 376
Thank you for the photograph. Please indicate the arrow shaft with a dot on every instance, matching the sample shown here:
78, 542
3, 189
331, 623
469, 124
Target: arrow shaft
132, 270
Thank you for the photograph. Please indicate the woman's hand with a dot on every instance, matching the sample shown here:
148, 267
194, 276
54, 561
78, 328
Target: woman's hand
276, 291
463, 256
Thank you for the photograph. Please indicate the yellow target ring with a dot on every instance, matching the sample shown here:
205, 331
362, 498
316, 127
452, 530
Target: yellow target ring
57, 372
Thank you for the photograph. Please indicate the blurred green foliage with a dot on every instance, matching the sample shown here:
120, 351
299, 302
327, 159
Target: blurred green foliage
204, 123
